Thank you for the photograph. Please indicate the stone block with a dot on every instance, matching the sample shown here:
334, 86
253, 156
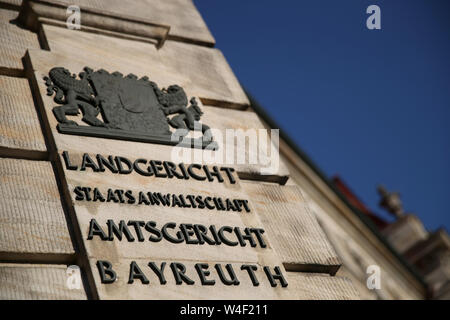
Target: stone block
32, 221
15, 41
201, 71
321, 287
20, 132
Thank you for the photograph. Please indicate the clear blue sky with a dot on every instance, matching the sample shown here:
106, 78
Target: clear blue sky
370, 105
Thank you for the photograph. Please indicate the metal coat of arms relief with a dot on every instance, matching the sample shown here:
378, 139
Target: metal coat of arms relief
125, 107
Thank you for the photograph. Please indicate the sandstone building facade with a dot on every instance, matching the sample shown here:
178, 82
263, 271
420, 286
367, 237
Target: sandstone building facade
88, 176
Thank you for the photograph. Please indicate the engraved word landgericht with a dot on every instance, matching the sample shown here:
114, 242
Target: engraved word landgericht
131, 108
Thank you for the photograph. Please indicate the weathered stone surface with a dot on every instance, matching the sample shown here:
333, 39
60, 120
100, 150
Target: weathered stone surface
120, 252
201, 71
216, 118
102, 211
14, 42
36, 282
295, 233
181, 15
20, 129
208, 70
301, 286
405, 232
32, 220
321, 287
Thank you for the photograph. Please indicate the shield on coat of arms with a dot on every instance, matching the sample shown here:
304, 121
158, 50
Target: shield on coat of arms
129, 103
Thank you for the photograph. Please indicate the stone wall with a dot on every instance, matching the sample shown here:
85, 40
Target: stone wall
60, 207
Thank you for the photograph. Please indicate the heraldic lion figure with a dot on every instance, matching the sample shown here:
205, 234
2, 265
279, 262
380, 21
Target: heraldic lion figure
74, 95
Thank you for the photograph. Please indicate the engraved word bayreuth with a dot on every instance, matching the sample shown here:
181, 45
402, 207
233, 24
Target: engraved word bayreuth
126, 108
